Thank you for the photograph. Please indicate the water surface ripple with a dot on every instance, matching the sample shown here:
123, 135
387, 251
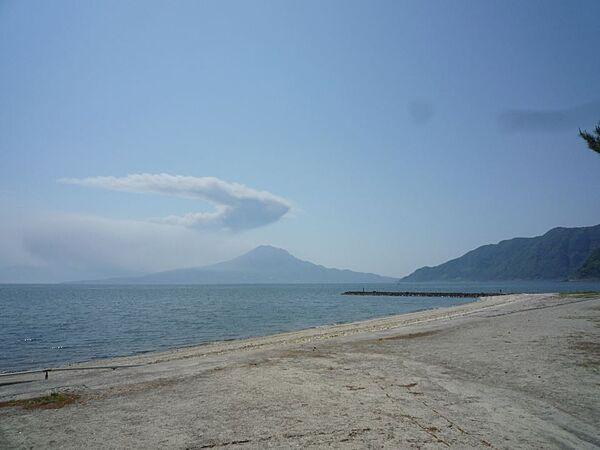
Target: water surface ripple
50, 325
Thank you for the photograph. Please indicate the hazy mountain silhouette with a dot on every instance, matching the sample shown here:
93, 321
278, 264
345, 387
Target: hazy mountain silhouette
264, 264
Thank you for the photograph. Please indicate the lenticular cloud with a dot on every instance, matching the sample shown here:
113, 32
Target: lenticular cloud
237, 207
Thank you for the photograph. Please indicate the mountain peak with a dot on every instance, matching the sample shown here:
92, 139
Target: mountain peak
263, 264
264, 255
268, 250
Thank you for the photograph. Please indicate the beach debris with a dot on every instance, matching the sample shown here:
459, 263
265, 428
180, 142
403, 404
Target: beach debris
54, 400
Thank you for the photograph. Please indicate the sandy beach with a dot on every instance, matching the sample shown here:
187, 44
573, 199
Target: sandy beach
516, 371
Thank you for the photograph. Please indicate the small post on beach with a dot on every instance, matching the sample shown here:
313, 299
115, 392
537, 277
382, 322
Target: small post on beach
46, 377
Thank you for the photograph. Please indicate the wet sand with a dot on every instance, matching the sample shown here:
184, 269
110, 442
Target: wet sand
519, 371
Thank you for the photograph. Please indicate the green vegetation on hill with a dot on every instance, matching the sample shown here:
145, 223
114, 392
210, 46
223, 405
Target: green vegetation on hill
590, 268
558, 254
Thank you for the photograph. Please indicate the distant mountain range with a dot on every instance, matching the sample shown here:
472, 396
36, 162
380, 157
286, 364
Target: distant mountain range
560, 254
264, 264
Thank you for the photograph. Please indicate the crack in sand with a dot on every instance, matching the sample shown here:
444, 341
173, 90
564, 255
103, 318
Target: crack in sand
429, 430
354, 432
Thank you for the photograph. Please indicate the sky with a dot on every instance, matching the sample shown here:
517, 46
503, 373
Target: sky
378, 136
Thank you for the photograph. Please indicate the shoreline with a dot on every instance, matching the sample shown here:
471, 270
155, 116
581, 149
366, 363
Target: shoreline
318, 332
452, 376
198, 346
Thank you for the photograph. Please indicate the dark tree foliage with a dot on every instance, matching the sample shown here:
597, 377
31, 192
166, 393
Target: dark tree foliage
593, 142
591, 267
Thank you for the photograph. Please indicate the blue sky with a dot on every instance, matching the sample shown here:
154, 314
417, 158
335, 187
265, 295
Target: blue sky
392, 134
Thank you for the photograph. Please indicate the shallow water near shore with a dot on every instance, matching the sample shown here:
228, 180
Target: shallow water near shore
50, 325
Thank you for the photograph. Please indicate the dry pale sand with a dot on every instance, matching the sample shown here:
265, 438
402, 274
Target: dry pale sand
504, 372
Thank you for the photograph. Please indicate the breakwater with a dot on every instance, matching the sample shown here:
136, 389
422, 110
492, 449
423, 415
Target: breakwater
425, 294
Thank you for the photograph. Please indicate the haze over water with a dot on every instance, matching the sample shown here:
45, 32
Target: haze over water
51, 325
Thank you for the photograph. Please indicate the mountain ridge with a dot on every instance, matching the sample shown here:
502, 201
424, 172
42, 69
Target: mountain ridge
556, 255
262, 265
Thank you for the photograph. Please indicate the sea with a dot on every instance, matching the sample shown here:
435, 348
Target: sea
43, 326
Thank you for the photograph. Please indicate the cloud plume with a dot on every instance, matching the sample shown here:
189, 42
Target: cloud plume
237, 207
523, 120
65, 247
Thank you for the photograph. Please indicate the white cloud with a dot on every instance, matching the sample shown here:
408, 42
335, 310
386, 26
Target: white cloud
237, 207
41, 247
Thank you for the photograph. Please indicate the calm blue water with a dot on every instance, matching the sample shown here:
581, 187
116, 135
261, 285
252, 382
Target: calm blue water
49, 325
